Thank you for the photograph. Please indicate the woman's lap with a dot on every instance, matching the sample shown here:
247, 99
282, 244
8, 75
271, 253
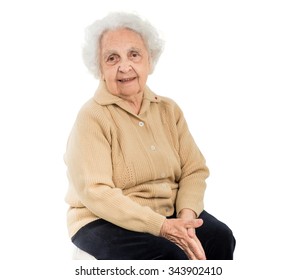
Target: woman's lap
106, 241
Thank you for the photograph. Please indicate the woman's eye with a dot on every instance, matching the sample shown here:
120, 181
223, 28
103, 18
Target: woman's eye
135, 56
112, 59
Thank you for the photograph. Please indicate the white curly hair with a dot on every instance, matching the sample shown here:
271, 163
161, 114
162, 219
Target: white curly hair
113, 21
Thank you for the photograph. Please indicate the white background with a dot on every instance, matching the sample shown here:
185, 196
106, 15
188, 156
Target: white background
230, 65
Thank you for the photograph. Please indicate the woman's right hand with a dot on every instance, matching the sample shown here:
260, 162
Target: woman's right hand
177, 231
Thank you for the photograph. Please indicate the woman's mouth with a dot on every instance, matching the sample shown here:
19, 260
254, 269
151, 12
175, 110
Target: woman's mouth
126, 80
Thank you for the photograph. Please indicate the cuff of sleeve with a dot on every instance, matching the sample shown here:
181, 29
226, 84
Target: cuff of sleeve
197, 208
154, 223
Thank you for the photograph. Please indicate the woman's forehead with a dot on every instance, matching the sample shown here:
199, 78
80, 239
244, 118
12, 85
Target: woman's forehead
121, 38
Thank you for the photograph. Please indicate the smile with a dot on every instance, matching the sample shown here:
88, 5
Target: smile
126, 80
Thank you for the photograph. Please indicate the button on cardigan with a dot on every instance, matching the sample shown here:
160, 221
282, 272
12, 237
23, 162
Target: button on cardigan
132, 170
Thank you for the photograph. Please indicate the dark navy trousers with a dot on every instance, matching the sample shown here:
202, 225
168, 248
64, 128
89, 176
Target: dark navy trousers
106, 241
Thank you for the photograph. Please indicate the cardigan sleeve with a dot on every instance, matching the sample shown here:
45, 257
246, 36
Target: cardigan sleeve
192, 183
89, 167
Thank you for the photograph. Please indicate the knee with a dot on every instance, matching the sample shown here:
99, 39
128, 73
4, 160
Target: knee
225, 234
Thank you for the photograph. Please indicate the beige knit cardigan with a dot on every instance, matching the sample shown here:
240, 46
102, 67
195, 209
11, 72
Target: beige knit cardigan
132, 170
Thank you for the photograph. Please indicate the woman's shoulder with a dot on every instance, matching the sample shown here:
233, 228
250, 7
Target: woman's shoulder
91, 107
91, 111
170, 105
167, 101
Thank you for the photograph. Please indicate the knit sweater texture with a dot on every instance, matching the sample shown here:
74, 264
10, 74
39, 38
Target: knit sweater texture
132, 170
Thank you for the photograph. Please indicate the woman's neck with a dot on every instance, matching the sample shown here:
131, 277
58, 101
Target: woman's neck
134, 102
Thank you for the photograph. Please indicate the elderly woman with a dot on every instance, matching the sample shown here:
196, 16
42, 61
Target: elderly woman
136, 176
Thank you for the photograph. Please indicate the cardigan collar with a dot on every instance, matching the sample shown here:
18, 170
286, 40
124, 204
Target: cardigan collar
104, 97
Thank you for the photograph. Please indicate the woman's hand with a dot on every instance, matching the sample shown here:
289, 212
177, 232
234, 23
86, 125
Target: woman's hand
181, 231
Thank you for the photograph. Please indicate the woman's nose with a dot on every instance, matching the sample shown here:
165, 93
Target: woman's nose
125, 67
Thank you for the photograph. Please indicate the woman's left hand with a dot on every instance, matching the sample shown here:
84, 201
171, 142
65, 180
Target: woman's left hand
181, 231
188, 214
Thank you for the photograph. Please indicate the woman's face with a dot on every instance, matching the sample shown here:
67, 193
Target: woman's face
125, 62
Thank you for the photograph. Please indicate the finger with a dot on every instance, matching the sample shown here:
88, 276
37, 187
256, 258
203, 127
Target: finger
191, 232
200, 252
188, 252
191, 255
192, 248
194, 223
197, 250
199, 222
